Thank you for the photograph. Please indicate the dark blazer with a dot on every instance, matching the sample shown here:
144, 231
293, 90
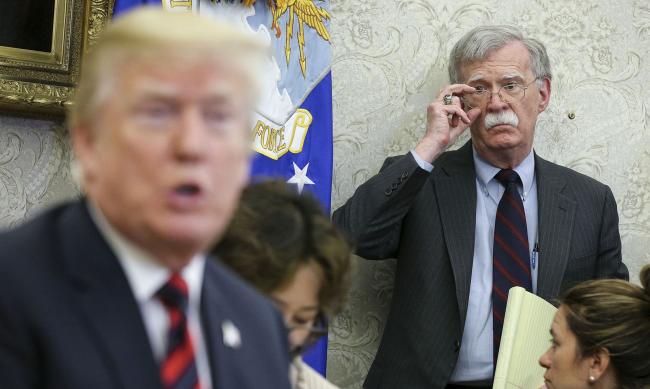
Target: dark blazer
68, 318
427, 221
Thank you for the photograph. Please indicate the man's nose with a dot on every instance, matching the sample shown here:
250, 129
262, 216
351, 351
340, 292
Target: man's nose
497, 101
191, 135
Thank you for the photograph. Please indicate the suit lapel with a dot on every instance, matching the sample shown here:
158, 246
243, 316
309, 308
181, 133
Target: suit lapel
556, 217
212, 310
455, 188
106, 301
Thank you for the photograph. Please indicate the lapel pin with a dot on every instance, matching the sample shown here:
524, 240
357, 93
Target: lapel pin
231, 335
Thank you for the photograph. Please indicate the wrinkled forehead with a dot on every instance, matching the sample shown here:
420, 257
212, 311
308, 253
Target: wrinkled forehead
511, 61
213, 78
496, 76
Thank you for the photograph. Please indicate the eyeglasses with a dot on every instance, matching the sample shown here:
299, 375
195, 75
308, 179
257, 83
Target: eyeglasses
508, 93
315, 329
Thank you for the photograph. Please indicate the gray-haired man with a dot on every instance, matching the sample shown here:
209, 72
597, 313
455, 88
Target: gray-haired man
467, 225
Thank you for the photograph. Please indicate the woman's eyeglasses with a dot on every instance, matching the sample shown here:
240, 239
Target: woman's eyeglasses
315, 330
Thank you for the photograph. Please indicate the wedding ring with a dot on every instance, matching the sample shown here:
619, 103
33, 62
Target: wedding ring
447, 99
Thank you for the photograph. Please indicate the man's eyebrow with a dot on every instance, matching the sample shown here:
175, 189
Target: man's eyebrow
217, 99
512, 76
154, 96
158, 95
477, 77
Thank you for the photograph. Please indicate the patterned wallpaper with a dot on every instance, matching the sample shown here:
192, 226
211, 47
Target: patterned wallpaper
389, 60
34, 167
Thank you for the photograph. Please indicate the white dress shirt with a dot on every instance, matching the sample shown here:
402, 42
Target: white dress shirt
146, 276
475, 359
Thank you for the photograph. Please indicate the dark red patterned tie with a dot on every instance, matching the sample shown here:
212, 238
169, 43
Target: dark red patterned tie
510, 253
178, 369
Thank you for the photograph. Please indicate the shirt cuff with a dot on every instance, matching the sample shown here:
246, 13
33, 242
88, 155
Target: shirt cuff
424, 165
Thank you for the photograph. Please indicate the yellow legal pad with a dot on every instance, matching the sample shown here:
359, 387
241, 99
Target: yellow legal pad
524, 339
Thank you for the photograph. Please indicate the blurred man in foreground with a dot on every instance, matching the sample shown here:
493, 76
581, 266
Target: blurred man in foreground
114, 290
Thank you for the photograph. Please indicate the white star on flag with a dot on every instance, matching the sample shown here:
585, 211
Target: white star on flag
300, 177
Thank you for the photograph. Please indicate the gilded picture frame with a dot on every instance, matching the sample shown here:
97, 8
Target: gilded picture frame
41, 83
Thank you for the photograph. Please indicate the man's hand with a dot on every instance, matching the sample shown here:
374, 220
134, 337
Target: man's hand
445, 122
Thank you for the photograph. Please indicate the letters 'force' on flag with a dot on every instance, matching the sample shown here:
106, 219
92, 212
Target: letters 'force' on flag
292, 128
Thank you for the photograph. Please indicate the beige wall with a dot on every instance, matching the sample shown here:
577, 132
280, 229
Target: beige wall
390, 58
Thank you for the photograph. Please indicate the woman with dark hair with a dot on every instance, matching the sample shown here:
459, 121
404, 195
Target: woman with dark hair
601, 337
284, 245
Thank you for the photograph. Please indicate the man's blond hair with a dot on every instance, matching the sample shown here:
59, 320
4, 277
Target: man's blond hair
152, 34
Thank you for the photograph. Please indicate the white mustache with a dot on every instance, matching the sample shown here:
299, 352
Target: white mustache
503, 117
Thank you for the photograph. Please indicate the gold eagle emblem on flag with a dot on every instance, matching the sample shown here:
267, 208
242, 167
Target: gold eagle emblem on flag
307, 13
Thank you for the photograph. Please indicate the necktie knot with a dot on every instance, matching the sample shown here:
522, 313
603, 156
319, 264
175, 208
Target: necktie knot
173, 294
507, 177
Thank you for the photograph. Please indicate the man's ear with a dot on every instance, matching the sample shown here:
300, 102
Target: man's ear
599, 363
544, 95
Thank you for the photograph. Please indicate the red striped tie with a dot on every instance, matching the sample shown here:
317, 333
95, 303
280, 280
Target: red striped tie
178, 369
510, 253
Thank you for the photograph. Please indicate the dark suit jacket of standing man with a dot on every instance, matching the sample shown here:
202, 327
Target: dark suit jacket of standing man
68, 318
427, 221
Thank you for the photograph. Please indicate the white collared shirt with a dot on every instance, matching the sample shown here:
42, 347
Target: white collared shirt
146, 276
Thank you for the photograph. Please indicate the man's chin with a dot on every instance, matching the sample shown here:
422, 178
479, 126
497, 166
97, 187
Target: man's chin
196, 237
503, 141
189, 235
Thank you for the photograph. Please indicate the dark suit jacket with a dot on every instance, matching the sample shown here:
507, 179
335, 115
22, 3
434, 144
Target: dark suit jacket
427, 221
68, 318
